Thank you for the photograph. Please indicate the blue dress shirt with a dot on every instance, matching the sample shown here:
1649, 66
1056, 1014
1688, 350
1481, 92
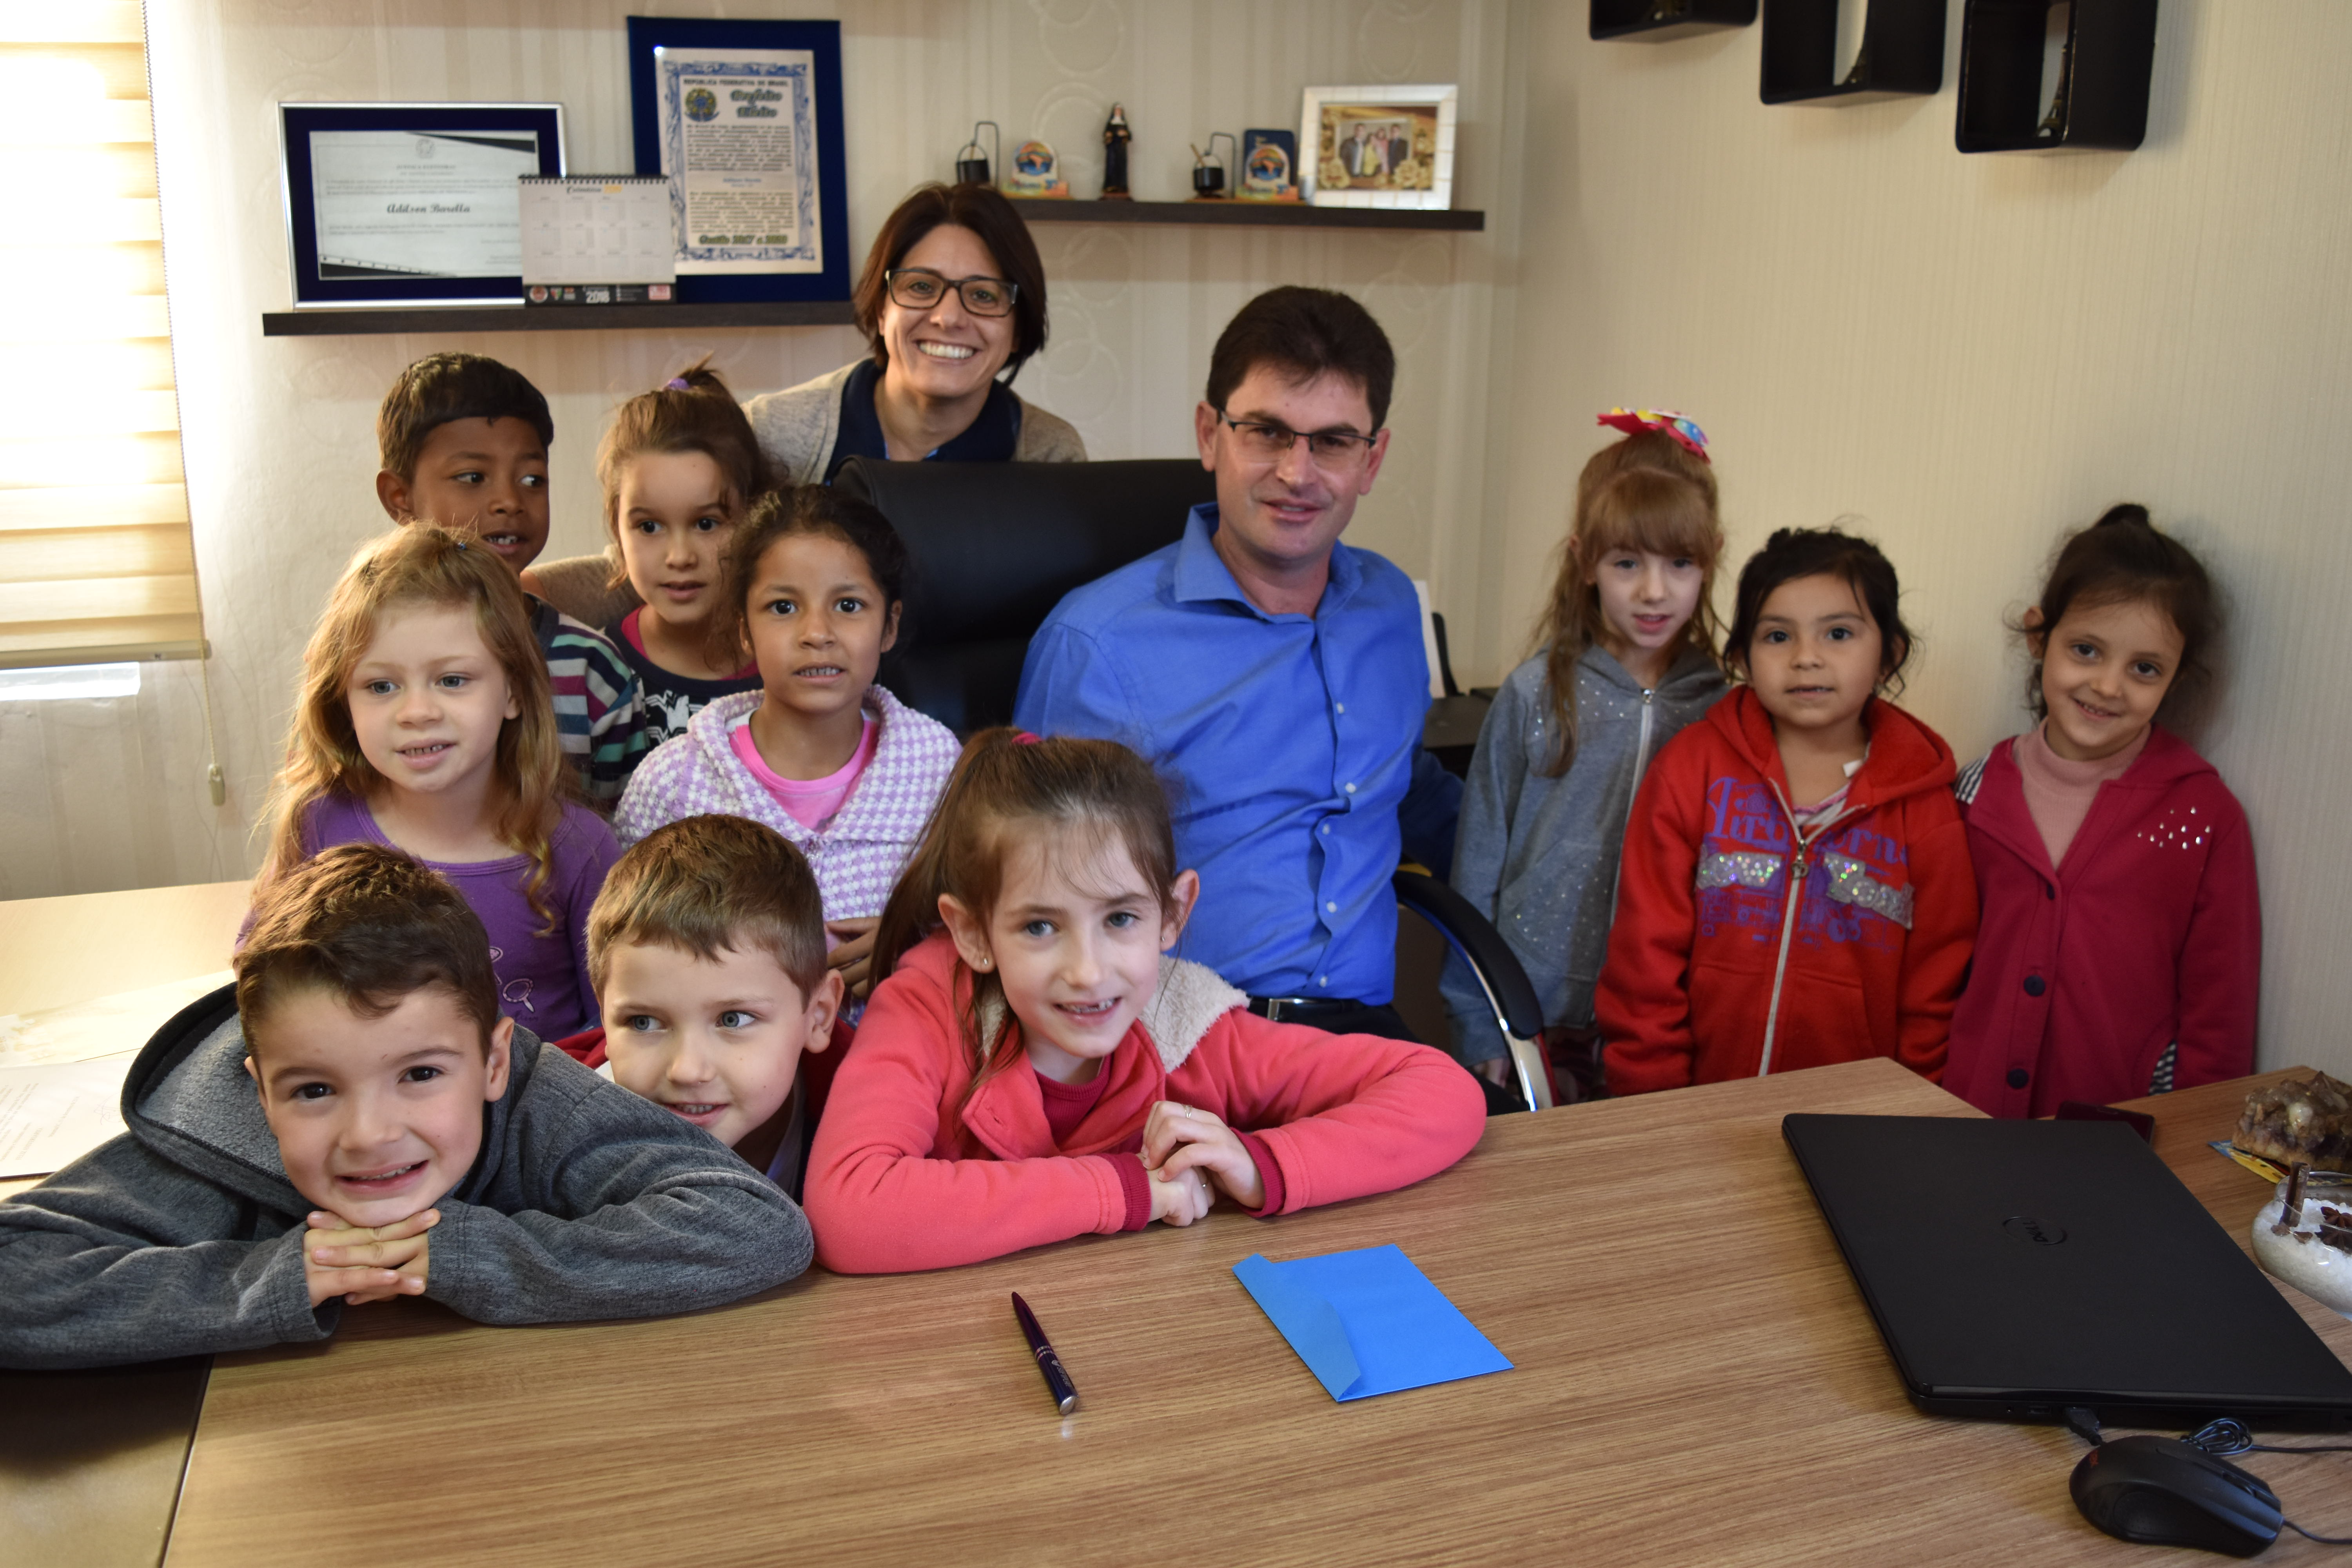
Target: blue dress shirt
1290, 742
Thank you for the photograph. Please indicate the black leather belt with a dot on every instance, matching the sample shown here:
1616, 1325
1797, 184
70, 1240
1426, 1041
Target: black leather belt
1278, 1007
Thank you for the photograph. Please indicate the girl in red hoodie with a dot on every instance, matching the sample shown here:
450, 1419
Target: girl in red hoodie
1804, 776
2122, 950
1031, 1067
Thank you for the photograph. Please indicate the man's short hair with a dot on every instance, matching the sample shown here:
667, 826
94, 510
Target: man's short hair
443, 387
370, 926
707, 885
1305, 333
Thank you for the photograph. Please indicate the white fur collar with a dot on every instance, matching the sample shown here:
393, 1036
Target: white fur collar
1191, 997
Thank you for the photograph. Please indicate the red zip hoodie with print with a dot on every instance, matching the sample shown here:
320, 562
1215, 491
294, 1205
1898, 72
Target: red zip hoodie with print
1714, 974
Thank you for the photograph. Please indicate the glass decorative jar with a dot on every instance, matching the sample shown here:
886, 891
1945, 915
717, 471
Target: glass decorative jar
2304, 1235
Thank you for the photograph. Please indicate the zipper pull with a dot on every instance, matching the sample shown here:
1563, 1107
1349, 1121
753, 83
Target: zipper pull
1797, 868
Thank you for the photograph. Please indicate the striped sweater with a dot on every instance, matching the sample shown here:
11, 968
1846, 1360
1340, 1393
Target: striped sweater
599, 712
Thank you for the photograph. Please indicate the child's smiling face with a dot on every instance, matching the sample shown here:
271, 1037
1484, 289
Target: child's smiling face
376, 1119
483, 477
1075, 937
716, 1041
2105, 669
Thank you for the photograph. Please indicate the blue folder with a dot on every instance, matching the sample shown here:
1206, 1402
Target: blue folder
1367, 1322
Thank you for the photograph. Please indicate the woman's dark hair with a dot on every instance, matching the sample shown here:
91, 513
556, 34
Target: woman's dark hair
803, 510
2122, 558
1794, 553
1000, 227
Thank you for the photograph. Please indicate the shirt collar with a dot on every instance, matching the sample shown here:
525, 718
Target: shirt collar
1201, 573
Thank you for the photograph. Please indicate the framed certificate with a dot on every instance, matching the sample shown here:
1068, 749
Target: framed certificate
744, 120
410, 203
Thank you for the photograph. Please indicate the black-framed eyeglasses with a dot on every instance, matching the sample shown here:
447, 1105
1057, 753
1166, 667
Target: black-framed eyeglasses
1265, 442
919, 289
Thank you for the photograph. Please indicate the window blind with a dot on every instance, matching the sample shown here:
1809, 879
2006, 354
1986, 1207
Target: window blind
96, 559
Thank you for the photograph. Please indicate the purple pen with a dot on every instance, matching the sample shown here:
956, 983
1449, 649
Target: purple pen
1049, 1366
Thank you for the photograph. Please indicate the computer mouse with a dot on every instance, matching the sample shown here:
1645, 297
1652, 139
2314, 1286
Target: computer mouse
2163, 1492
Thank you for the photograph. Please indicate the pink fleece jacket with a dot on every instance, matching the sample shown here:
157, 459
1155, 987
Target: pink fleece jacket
905, 1174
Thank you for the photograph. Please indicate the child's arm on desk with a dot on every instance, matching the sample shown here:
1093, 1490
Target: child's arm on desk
880, 1201
625, 1212
121, 1257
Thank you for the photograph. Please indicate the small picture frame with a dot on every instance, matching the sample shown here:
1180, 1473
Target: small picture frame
1378, 147
409, 203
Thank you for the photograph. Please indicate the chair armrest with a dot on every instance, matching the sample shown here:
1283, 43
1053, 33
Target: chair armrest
1474, 936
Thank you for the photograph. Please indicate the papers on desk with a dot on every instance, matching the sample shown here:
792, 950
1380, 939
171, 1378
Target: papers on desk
1367, 1322
61, 1071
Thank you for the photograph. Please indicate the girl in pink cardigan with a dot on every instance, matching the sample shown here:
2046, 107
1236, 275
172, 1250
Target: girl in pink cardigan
1031, 1067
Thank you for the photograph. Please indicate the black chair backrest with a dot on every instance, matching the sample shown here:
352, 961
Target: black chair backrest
995, 547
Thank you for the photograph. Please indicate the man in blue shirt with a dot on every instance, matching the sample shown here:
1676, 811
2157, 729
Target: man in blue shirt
1273, 674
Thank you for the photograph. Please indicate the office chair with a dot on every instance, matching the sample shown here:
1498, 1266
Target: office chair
996, 545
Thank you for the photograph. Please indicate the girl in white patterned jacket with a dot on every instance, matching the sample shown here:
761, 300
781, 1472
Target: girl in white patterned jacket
813, 582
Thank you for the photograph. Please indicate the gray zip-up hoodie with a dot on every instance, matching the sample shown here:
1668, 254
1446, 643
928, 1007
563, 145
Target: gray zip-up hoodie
183, 1236
1537, 854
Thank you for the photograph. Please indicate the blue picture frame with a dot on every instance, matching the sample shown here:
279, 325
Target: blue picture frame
298, 122
822, 40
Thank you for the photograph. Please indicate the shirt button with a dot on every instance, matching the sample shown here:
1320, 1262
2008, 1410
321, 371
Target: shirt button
1350, 789
1325, 980
1339, 707
2050, 889
1326, 829
2017, 1078
2035, 985
1333, 909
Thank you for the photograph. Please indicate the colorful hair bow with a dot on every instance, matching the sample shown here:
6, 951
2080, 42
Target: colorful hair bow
1026, 739
677, 383
1634, 420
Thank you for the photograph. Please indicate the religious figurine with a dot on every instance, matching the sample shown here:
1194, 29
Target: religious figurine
1116, 136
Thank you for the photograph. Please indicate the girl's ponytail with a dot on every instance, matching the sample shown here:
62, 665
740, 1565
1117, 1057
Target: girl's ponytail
693, 411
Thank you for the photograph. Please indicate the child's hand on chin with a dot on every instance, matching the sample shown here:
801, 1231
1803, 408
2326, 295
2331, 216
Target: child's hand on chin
363, 1265
1183, 1140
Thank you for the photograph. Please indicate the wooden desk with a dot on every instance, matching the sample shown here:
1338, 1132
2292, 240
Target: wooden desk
91, 1462
1698, 1382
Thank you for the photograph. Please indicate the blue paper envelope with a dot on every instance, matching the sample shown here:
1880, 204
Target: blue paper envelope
1367, 1322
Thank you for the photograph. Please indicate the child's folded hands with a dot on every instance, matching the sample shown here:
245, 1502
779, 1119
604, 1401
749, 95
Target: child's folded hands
361, 1264
1185, 1140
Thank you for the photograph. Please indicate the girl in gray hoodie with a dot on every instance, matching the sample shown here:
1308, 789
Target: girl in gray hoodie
1625, 656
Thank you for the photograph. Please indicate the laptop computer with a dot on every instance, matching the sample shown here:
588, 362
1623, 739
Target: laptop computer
2017, 1268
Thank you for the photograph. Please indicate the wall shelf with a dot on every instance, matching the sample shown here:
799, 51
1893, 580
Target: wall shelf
2108, 58
1657, 21
553, 318
1239, 214
1902, 52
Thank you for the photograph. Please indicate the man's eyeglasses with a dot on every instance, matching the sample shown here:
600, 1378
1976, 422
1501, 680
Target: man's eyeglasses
1336, 451
919, 289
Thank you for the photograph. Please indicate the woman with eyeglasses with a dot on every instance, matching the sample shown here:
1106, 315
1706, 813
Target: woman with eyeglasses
953, 295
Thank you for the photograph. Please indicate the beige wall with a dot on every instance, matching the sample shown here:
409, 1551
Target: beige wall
1972, 352
278, 433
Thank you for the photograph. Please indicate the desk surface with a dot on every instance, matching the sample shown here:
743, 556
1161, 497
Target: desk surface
1697, 1382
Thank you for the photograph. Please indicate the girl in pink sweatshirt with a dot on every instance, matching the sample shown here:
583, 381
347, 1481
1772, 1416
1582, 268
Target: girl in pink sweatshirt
1032, 1068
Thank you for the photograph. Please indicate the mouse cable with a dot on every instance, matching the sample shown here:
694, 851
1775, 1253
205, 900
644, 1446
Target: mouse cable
2226, 1437
2083, 1422
2323, 1540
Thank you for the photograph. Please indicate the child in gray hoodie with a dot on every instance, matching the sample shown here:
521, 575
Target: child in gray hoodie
355, 1122
1625, 657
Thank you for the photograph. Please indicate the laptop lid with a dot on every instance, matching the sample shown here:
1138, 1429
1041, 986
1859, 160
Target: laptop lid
2016, 1268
